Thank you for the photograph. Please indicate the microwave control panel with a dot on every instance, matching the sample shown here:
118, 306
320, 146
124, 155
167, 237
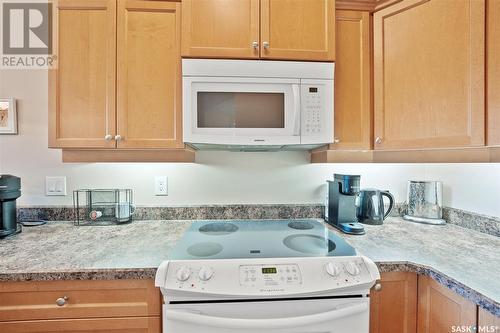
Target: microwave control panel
316, 104
313, 109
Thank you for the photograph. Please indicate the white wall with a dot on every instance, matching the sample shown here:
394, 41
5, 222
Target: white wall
217, 177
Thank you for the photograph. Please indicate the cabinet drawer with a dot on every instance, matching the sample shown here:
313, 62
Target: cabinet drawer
103, 325
85, 299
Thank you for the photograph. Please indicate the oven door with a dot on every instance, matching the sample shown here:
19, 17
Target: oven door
331, 315
241, 111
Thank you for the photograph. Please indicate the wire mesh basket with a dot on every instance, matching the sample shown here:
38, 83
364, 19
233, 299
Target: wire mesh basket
103, 206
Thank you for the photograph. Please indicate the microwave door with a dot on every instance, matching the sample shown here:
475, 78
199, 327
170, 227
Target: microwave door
241, 111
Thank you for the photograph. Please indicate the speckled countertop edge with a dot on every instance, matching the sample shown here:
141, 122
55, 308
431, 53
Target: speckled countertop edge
149, 273
82, 274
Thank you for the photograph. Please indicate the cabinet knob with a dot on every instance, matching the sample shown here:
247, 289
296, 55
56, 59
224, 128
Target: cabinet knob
266, 45
61, 300
255, 45
108, 137
378, 140
118, 137
336, 140
377, 287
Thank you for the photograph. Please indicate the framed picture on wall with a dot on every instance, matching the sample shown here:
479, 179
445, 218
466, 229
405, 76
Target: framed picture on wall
8, 116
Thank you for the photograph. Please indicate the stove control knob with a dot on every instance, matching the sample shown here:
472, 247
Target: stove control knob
183, 273
332, 269
352, 268
205, 273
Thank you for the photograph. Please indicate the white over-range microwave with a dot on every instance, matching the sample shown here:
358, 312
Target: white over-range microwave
252, 105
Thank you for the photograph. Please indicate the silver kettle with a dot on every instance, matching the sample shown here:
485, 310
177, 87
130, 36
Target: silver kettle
370, 207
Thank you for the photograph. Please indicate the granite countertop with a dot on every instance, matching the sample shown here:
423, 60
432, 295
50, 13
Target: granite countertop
465, 260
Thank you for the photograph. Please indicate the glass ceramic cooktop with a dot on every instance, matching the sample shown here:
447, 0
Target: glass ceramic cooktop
259, 239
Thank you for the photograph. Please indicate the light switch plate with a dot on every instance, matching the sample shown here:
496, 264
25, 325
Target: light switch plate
161, 185
55, 186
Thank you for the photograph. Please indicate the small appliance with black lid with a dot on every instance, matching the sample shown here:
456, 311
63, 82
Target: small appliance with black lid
10, 190
341, 203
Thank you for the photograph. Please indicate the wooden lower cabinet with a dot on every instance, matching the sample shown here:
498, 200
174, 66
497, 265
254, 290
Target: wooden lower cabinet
101, 325
394, 308
130, 306
488, 322
439, 308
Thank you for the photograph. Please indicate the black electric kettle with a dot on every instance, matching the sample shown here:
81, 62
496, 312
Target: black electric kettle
370, 206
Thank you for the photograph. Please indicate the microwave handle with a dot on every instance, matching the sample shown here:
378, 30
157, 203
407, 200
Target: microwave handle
296, 109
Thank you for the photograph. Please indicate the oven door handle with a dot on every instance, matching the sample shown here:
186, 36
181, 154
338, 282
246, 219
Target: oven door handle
273, 323
296, 109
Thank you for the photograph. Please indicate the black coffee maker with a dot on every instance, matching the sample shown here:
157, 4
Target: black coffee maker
10, 190
340, 210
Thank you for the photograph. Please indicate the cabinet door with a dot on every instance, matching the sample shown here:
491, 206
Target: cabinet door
149, 75
429, 74
82, 87
103, 325
298, 29
487, 322
439, 308
493, 74
220, 28
353, 123
394, 308
22, 301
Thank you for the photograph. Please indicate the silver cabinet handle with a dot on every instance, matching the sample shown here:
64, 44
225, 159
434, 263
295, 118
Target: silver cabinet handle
61, 300
118, 137
108, 137
378, 140
377, 287
336, 140
266, 45
255, 45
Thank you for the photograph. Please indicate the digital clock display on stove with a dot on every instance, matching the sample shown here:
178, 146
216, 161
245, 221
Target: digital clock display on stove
269, 270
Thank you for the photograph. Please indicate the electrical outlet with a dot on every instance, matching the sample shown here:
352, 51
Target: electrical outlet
161, 185
55, 186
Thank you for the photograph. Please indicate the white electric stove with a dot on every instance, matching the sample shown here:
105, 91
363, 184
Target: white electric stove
272, 276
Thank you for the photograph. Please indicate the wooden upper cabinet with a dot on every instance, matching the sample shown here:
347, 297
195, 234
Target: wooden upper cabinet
82, 87
353, 120
429, 74
394, 308
493, 74
149, 75
439, 308
298, 29
220, 28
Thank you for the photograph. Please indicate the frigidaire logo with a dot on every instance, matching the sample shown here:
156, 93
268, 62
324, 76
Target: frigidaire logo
26, 34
